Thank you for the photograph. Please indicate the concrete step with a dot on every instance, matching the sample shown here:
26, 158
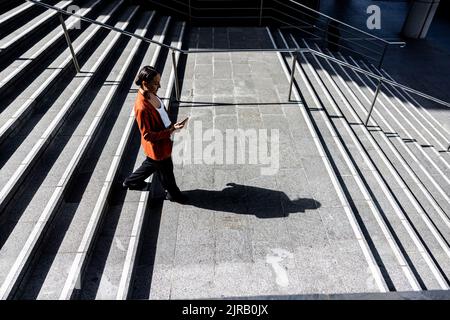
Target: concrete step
418, 159
438, 133
31, 60
411, 117
437, 182
432, 157
375, 147
21, 36
400, 273
417, 166
88, 212
353, 164
51, 79
112, 202
17, 14
392, 213
8, 5
64, 238
436, 128
17, 148
149, 228
65, 103
110, 274
399, 154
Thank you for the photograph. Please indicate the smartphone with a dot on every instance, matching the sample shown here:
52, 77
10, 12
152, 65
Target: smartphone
184, 121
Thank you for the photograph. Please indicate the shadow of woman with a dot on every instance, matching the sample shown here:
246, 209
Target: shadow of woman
243, 199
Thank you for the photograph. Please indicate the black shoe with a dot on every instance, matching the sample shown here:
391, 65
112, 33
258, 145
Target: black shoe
138, 186
180, 198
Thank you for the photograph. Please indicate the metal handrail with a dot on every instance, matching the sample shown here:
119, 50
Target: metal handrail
315, 17
385, 46
331, 33
296, 51
347, 25
375, 76
380, 54
171, 8
181, 2
398, 43
106, 26
337, 44
304, 6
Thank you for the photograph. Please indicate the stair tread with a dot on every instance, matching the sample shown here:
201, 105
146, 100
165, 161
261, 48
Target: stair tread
26, 99
14, 12
84, 207
16, 35
110, 39
405, 204
124, 215
26, 59
408, 111
407, 178
387, 127
361, 203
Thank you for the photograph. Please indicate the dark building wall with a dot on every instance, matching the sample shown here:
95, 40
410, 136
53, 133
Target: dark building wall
229, 12
444, 9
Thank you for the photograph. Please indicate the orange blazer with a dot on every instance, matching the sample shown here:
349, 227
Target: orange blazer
155, 138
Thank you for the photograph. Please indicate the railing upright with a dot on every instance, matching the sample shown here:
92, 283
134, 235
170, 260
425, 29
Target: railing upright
177, 84
380, 83
69, 43
295, 55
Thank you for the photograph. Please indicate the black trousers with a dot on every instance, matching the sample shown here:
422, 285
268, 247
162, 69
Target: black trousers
164, 168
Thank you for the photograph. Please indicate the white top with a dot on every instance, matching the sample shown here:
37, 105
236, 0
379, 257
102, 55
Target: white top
163, 113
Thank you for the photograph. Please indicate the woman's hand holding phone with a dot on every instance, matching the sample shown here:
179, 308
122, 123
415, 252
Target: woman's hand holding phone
180, 125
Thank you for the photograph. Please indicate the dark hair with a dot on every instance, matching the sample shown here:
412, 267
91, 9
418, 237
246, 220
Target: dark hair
147, 74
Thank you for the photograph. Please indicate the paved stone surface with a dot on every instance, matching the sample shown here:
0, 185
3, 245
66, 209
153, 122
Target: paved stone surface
243, 233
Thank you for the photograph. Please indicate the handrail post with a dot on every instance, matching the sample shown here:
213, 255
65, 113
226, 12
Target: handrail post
69, 43
382, 56
260, 13
177, 88
380, 82
292, 74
